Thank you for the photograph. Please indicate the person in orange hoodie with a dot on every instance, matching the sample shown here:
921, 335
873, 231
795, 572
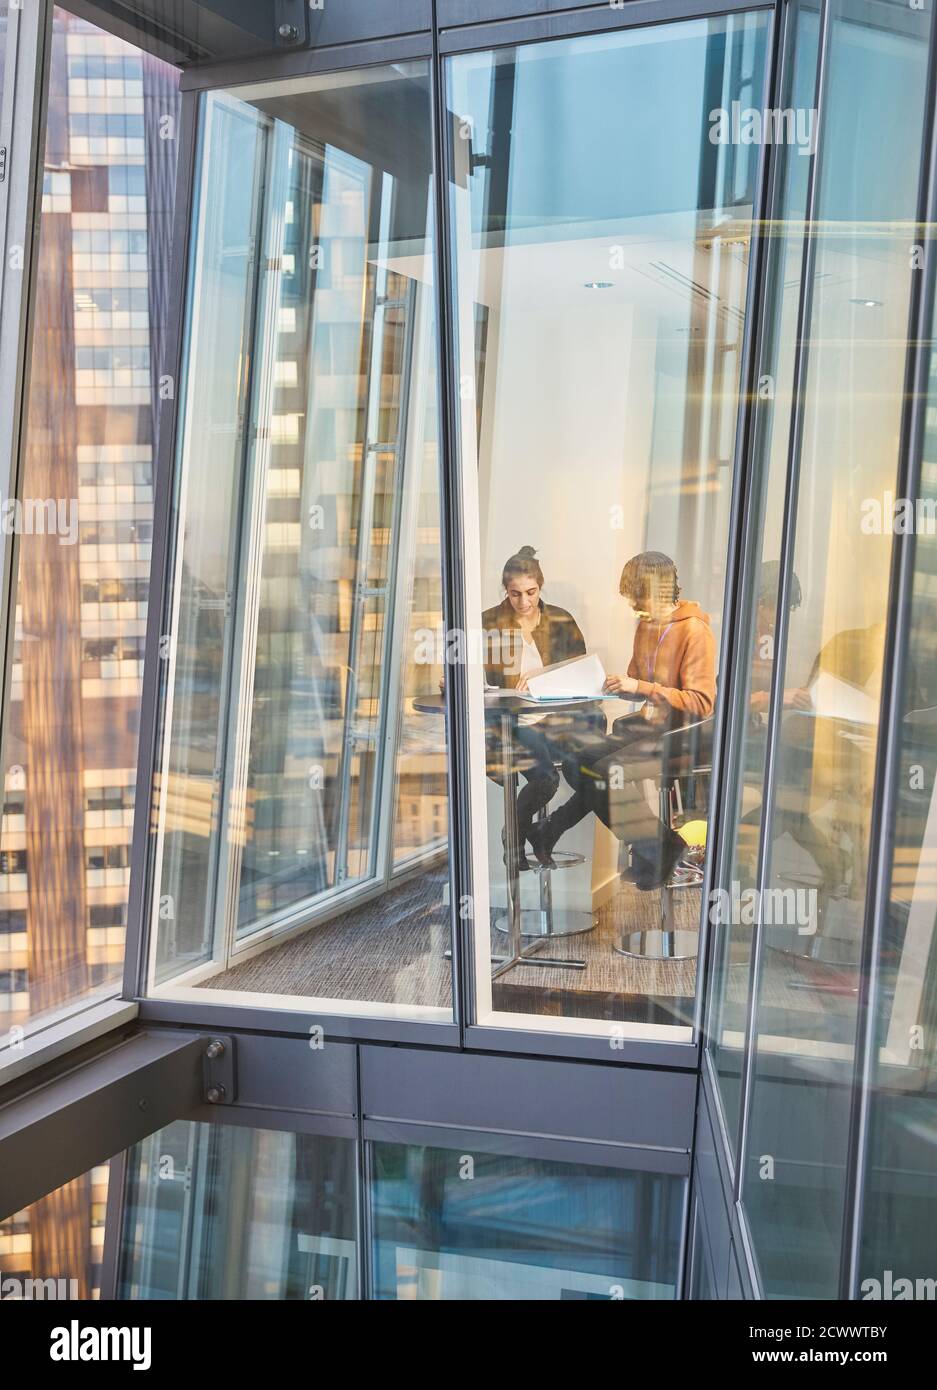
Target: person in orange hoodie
673, 665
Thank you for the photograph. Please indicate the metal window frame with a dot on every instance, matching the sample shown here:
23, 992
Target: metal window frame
740, 598
858, 1075
435, 46
272, 1020
791, 497
636, 13
162, 556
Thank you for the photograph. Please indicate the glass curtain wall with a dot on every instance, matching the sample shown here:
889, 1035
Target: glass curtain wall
82, 519
601, 196
203, 1212
807, 722
303, 767
899, 1217
220, 1212
452, 1224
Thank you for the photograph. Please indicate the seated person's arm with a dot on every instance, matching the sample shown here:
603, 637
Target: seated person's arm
696, 694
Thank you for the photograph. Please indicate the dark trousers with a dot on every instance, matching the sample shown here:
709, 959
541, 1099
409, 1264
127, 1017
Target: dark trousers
605, 779
537, 749
603, 773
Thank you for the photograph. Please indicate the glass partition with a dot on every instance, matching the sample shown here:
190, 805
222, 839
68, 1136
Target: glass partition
300, 802
601, 201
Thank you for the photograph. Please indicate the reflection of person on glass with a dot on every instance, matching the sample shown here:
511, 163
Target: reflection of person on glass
673, 667
805, 780
523, 634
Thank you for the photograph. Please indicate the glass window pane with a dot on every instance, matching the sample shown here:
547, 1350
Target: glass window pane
82, 518
220, 1212
601, 219
455, 1225
900, 1219
303, 766
819, 818
55, 1248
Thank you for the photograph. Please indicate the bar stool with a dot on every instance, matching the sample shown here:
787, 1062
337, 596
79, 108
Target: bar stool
542, 921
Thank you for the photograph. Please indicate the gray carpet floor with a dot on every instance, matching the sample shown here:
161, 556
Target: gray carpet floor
391, 950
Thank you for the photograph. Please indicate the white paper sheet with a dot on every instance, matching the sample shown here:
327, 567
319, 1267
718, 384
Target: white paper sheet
580, 678
835, 699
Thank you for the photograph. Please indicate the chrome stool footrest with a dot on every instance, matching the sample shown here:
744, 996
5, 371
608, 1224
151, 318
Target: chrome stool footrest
542, 921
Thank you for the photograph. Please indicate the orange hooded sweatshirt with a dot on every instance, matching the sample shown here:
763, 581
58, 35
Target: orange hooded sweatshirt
674, 663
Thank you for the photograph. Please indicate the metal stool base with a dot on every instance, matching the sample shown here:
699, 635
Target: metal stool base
655, 944
533, 924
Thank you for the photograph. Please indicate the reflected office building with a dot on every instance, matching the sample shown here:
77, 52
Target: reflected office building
468, 490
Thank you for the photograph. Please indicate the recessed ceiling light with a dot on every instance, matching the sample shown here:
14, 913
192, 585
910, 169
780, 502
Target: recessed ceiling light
867, 303
598, 285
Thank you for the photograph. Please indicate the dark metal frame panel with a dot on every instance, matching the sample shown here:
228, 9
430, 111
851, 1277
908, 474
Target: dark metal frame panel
304, 62
588, 20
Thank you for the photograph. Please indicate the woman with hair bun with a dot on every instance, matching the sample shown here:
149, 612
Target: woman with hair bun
523, 634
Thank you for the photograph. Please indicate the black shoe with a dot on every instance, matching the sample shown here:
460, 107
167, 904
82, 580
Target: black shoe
523, 863
542, 842
653, 861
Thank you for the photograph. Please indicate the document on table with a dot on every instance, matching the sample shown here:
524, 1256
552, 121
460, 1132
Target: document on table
581, 678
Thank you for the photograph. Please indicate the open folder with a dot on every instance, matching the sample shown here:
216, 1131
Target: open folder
581, 678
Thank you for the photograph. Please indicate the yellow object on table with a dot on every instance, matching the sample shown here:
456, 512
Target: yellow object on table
694, 833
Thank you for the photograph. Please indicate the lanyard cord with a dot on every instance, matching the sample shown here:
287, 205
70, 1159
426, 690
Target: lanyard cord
652, 662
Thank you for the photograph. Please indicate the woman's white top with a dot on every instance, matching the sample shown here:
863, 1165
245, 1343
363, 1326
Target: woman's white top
531, 663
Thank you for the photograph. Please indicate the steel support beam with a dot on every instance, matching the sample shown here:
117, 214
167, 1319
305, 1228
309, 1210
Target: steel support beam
85, 1115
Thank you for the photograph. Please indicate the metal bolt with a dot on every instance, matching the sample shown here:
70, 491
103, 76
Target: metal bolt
215, 1049
288, 32
215, 1095
143, 1104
